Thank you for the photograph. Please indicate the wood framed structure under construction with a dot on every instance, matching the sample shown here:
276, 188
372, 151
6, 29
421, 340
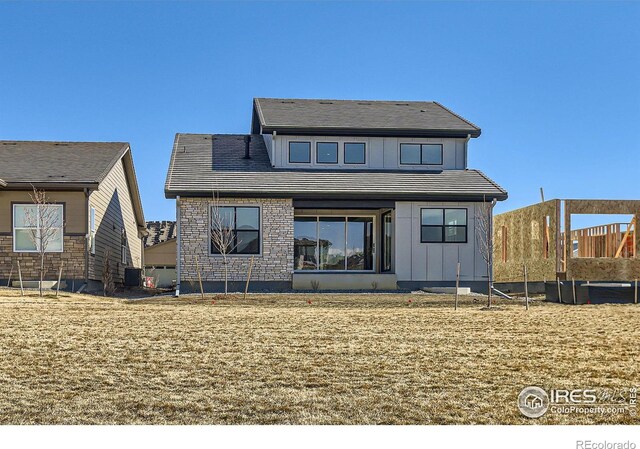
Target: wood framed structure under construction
537, 236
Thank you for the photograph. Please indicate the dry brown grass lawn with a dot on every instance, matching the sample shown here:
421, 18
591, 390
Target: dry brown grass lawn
356, 359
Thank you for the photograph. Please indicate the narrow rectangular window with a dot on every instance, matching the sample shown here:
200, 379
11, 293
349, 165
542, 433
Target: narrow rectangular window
92, 231
300, 152
124, 245
327, 152
439, 225
35, 226
354, 153
243, 223
421, 154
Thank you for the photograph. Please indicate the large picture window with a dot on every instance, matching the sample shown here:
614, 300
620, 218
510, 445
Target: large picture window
443, 225
245, 224
420, 154
34, 225
333, 243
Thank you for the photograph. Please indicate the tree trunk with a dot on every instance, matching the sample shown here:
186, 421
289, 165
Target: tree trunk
41, 271
225, 274
488, 286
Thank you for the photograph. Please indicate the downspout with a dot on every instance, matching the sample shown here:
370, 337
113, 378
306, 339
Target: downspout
466, 145
178, 245
493, 204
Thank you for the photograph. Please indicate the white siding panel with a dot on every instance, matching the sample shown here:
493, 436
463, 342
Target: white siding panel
418, 261
403, 247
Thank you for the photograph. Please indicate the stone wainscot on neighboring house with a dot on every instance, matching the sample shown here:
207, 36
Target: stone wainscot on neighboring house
93, 188
333, 194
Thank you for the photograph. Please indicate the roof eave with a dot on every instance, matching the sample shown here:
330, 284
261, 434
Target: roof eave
376, 132
398, 196
54, 185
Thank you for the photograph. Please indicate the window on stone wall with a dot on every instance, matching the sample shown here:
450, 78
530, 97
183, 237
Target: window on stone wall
30, 224
245, 224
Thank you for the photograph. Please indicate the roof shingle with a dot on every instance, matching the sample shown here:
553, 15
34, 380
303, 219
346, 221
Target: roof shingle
352, 117
201, 163
58, 162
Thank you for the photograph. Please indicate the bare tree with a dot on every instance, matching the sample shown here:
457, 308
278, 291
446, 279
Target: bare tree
484, 239
108, 284
223, 236
44, 222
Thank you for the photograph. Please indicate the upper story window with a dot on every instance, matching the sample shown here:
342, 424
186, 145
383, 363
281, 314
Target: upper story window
36, 226
421, 154
243, 224
300, 152
443, 225
354, 153
327, 152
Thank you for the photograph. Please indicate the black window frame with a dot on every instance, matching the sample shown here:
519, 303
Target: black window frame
234, 250
421, 160
364, 153
318, 154
444, 226
299, 141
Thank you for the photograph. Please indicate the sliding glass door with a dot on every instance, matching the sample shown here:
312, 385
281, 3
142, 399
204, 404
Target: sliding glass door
333, 243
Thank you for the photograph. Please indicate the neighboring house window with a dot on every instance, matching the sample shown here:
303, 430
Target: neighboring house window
420, 154
354, 153
443, 225
92, 231
327, 152
300, 152
245, 224
123, 246
28, 227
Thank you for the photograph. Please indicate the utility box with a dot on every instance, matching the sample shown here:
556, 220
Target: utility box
132, 277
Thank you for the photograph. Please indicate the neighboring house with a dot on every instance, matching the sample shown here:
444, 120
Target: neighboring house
93, 188
160, 253
333, 194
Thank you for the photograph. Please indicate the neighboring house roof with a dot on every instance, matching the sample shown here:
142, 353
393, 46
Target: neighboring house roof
66, 166
160, 232
202, 163
352, 117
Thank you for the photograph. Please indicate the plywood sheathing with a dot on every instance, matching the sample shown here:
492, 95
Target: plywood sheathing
601, 268
526, 243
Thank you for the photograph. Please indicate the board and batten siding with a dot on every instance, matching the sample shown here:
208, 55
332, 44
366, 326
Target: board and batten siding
114, 210
416, 261
381, 152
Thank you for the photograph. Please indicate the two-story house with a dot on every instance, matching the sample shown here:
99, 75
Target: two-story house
333, 194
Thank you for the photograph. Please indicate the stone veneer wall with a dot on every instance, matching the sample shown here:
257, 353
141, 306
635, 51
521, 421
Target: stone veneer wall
274, 264
73, 258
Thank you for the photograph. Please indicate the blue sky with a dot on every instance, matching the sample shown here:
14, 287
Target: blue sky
555, 87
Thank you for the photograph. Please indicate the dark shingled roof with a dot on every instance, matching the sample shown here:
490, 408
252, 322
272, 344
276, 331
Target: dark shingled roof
201, 163
160, 232
58, 162
352, 117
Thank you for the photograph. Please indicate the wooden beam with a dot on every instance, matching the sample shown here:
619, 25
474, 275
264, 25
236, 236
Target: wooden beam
632, 224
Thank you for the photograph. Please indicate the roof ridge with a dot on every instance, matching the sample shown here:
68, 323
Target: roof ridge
65, 141
345, 100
